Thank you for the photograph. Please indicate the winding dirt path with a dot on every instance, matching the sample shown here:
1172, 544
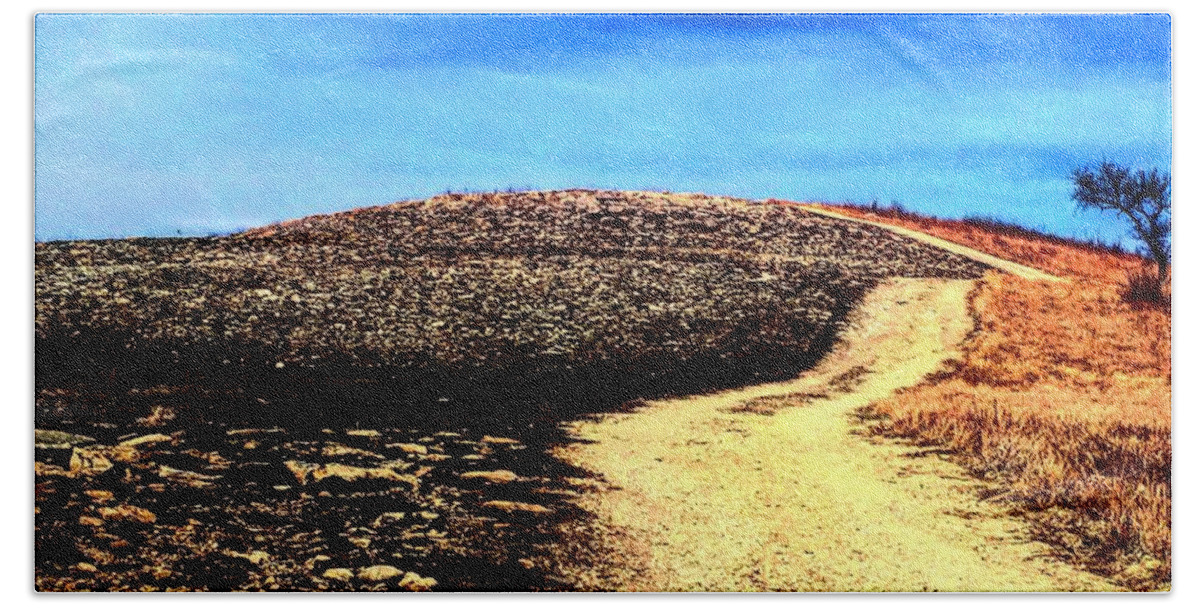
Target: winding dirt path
790, 495
1010, 267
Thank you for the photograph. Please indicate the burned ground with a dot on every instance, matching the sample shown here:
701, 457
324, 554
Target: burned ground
479, 317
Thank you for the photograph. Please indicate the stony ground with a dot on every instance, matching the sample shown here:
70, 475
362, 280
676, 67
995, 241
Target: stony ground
476, 282
372, 400
273, 509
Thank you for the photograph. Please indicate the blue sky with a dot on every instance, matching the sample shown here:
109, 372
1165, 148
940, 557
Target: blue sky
166, 124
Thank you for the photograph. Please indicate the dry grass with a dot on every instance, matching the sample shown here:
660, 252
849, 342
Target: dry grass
1055, 255
1063, 397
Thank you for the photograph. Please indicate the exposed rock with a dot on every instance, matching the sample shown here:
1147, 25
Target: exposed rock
237, 432
300, 470
655, 277
158, 571
499, 440
554, 492
312, 563
89, 461
214, 459
189, 478
158, 417
99, 495
379, 573
415, 582
409, 448
146, 440
305, 471
339, 574
123, 453
258, 558
127, 513
509, 506
388, 518
337, 449
44, 439
42, 469
491, 476
351, 473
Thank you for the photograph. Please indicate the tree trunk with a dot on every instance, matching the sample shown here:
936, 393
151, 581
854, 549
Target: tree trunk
1162, 275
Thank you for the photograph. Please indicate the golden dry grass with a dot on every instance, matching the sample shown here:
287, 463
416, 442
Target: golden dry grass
1064, 398
1081, 261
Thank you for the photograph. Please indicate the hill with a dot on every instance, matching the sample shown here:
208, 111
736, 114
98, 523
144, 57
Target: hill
316, 404
466, 296
368, 399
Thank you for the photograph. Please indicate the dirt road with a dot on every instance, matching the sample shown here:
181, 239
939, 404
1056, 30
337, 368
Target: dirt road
773, 487
1014, 268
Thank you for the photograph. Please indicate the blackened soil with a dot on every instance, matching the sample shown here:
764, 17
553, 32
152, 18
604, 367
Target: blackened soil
241, 519
322, 390
230, 512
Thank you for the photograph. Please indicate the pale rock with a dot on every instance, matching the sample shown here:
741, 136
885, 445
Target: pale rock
501, 476
509, 506
89, 461
379, 573
339, 574
415, 582
145, 440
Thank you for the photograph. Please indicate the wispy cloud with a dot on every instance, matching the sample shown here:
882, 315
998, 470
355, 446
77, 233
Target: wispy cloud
153, 124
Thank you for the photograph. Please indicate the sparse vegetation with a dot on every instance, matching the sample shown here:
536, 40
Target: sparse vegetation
1143, 287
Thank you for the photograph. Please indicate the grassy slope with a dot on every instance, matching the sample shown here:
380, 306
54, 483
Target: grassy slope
1064, 395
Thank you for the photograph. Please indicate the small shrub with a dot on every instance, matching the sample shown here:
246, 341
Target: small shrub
1141, 287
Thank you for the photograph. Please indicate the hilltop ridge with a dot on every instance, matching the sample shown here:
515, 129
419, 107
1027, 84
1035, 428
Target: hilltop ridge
637, 291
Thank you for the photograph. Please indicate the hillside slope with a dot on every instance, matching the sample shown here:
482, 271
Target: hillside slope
606, 289
326, 403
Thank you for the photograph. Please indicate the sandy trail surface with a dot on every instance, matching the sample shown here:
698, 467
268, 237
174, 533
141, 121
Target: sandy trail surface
753, 490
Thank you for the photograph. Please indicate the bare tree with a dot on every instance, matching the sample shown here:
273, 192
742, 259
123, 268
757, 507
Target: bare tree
1143, 198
